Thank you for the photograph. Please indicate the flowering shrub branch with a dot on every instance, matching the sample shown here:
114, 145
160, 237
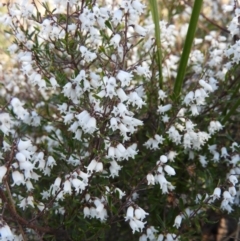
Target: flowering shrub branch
108, 129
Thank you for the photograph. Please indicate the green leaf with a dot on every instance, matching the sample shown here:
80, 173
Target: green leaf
155, 16
186, 50
108, 24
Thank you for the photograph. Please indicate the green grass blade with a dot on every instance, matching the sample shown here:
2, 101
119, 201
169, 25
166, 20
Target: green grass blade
155, 15
187, 48
231, 112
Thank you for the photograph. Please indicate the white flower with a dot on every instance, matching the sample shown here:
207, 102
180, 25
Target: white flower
116, 18
18, 178
91, 125
20, 157
56, 185
130, 212
124, 77
132, 150
174, 135
189, 98
216, 193
143, 70
187, 140
140, 213
78, 185
29, 185
115, 40
160, 237
120, 192
122, 109
99, 205
194, 109
83, 175
114, 169
3, 171
233, 179
171, 237
178, 221
161, 180
5, 231
203, 160
113, 123
111, 152
235, 159
99, 167
140, 30
232, 191
159, 139
133, 225
189, 125
200, 95
151, 231
227, 196
139, 7
51, 162
67, 187
74, 126
234, 146
68, 118
169, 170
171, 155
224, 152
207, 87
136, 224
151, 144
165, 108
18, 108
161, 95
216, 156
163, 159
135, 99
53, 82
150, 179
86, 212
214, 126
30, 201
92, 165
122, 95
27, 166
5, 123
160, 168
23, 145
143, 237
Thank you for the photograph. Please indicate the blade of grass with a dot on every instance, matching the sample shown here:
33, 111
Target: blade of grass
228, 113
155, 16
231, 112
186, 49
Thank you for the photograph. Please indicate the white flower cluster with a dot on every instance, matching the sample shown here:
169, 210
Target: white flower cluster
228, 196
96, 208
232, 195
159, 177
153, 143
194, 100
92, 92
87, 92
5, 123
6, 233
135, 216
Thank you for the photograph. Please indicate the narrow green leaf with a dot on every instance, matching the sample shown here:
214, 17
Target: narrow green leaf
234, 96
155, 15
231, 112
187, 48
